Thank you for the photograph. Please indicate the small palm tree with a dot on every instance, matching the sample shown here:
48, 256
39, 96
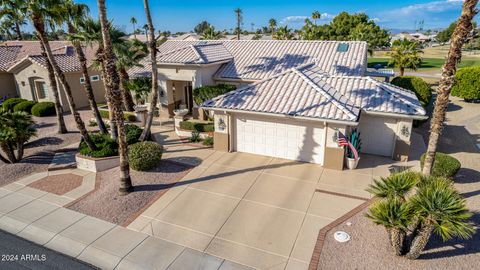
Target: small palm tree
140, 87
211, 34
272, 23
133, 21
316, 16
405, 54
283, 33
396, 186
16, 128
238, 14
441, 210
459, 37
145, 28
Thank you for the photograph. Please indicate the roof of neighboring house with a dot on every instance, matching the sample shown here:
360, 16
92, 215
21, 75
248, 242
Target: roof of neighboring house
260, 59
196, 54
12, 53
310, 92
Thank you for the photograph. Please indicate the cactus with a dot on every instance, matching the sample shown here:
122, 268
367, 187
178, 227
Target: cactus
356, 142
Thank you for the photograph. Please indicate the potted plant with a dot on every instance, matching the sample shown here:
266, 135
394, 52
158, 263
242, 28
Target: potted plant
354, 146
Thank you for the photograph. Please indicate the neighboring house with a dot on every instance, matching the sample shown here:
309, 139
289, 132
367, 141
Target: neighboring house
23, 72
419, 37
293, 98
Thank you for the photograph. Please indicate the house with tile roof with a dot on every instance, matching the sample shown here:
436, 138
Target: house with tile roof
23, 72
293, 99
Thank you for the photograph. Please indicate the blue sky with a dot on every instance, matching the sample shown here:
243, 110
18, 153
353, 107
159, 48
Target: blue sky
184, 15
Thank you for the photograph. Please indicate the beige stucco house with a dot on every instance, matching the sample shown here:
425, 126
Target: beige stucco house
23, 72
293, 98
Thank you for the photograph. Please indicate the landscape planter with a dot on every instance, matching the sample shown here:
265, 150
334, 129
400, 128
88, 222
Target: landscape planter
188, 133
96, 164
352, 163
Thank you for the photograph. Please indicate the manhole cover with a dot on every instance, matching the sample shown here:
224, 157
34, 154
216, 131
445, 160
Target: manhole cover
341, 236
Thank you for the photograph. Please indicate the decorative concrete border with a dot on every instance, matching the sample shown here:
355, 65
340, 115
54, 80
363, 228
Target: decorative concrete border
322, 234
96, 164
342, 195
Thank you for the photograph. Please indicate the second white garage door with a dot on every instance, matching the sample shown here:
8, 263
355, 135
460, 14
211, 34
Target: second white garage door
288, 139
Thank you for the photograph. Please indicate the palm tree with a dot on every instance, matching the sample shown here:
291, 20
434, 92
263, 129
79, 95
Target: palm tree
39, 11
145, 28
316, 16
128, 54
405, 54
133, 21
396, 186
115, 94
211, 34
272, 23
152, 46
16, 128
238, 14
12, 13
283, 33
76, 13
459, 36
441, 210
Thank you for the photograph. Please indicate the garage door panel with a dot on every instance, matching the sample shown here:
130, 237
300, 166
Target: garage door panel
280, 138
378, 135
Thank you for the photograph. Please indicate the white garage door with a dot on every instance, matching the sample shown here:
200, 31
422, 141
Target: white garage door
288, 139
377, 134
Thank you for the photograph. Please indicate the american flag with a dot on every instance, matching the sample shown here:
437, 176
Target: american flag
342, 141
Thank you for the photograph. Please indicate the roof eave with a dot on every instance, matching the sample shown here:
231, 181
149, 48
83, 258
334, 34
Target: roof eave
397, 115
323, 120
193, 64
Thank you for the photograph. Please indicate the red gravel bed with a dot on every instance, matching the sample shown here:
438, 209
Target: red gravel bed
58, 184
105, 202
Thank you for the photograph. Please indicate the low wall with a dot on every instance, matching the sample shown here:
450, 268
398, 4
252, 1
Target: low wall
96, 164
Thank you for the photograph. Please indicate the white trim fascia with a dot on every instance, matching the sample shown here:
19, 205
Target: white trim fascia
396, 115
323, 120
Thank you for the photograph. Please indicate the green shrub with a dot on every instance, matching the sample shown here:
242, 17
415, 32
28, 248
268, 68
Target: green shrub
467, 84
204, 93
208, 141
195, 137
106, 146
197, 126
444, 165
24, 106
42, 109
144, 156
10, 103
132, 132
422, 90
128, 116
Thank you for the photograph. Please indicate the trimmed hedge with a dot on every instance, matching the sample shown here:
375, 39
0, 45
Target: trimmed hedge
444, 165
42, 109
197, 126
10, 103
128, 116
106, 146
204, 93
467, 84
24, 106
422, 90
132, 133
144, 156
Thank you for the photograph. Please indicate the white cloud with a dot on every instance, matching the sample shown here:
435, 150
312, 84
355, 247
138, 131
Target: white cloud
429, 7
294, 20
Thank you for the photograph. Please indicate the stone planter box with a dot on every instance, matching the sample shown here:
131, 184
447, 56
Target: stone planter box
96, 164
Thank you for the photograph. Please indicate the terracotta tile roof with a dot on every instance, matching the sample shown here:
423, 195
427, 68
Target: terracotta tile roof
260, 59
196, 54
308, 91
14, 52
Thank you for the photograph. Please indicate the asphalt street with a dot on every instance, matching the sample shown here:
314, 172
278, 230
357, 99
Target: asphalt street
17, 253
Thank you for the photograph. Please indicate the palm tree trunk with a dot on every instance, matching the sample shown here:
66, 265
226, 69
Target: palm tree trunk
402, 71
116, 98
18, 31
62, 128
126, 96
111, 116
20, 147
419, 242
9, 152
459, 36
397, 240
153, 57
39, 27
87, 83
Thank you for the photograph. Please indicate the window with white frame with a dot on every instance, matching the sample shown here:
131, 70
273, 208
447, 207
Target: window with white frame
82, 80
95, 78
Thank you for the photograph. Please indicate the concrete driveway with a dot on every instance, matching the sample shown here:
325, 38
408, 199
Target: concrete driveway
258, 211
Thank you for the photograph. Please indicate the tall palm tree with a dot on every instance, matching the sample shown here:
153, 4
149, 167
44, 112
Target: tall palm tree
283, 33
272, 23
211, 34
133, 21
145, 28
39, 11
128, 54
405, 54
152, 46
75, 14
316, 16
238, 14
10, 11
115, 94
459, 36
